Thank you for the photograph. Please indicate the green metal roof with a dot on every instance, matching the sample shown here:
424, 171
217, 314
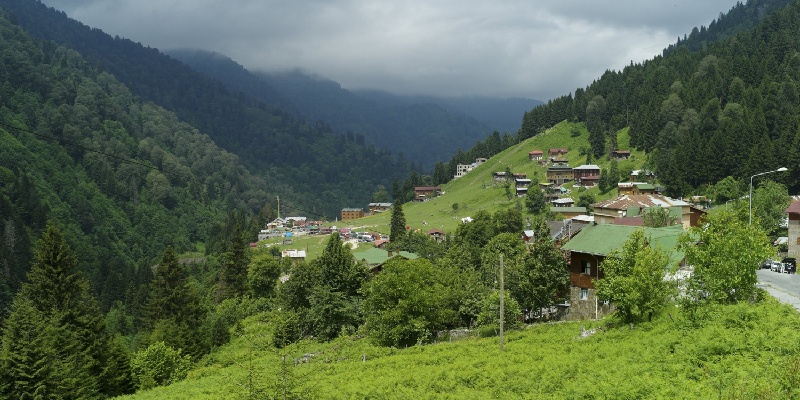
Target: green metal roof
601, 239
375, 256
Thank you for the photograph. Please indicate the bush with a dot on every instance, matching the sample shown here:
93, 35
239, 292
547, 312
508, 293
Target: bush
159, 365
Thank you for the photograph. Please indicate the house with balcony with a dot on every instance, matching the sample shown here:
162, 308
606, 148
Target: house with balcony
591, 246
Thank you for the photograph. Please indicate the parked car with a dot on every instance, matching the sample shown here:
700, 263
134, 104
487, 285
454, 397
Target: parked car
766, 264
776, 266
789, 265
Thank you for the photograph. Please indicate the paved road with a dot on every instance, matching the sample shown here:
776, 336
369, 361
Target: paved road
784, 287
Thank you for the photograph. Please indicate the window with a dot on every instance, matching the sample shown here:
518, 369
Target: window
586, 267
584, 294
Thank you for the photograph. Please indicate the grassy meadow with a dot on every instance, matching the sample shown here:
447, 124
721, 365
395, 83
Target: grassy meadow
735, 351
477, 191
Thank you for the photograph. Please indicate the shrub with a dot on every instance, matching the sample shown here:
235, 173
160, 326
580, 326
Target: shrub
159, 365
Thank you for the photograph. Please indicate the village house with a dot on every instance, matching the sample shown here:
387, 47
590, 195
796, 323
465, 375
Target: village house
522, 182
629, 188
499, 176
423, 193
589, 248
642, 175
352, 213
620, 154
521, 191
556, 153
437, 235
588, 172
559, 174
793, 241
535, 155
374, 258
376, 208
463, 169
563, 202
605, 212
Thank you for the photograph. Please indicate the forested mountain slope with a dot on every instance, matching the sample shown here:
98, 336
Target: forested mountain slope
729, 108
423, 129
121, 178
305, 162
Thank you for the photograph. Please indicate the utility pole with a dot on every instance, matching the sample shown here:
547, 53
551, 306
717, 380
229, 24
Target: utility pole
502, 298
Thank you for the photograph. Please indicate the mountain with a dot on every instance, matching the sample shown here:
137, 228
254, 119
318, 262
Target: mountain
122, 178
726, 108
498, 114
315, 170
425, 129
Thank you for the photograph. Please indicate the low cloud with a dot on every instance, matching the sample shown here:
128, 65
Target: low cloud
540, 49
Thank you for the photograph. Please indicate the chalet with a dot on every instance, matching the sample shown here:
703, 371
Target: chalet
437, 235
587, 170
558, 174
296, 222
535, 155
374, 258
793, 212
589, 248
521, 191
423, 193
642, 175
500, 176
605, 212
376, 208
522, 182
557, 153
563, 202
628, 188
519, 175
620, 154
352, 213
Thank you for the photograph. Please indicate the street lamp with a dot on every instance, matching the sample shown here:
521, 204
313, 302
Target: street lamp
781, 169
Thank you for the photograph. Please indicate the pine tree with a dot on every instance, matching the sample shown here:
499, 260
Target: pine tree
398, 223
56, 328
174, 311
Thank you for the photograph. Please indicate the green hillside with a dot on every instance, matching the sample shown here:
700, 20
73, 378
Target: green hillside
731, 352
477, 190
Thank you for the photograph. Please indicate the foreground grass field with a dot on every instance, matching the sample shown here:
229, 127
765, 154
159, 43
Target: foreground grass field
738, 351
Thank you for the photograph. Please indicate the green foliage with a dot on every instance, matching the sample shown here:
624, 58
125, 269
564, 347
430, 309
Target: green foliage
543, 278
57, 333
490, 313
634, 279
159, 365
725, 254
174, 310
727, 189
769, 204
408, 303
398, 225
534, 200
657, 217
263, 273
736, 352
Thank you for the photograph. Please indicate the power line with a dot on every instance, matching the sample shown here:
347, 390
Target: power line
80, 146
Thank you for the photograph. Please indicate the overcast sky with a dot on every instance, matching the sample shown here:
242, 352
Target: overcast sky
538, 49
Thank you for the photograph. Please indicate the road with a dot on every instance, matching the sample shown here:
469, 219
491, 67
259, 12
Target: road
784, 287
